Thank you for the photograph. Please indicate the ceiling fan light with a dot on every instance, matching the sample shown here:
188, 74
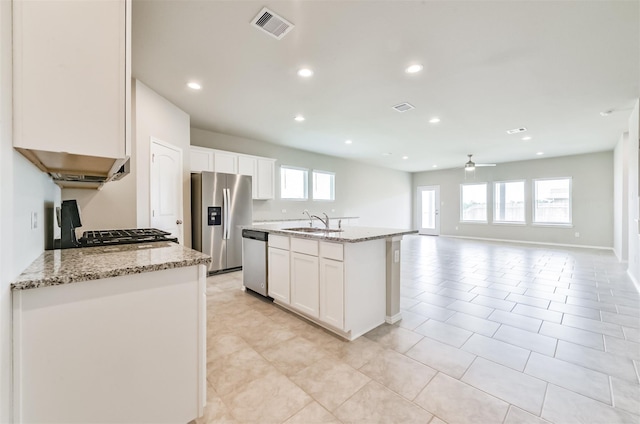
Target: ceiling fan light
469, 166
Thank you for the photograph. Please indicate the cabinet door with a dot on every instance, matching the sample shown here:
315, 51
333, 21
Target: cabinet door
265, 179
305, 283
201, 160
278, 272
332, 292
247, 165
72, 77
225, 162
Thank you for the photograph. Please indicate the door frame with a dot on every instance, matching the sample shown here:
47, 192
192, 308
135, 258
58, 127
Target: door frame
428, 231
180, 194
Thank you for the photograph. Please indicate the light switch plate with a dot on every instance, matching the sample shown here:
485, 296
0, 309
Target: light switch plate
34, 220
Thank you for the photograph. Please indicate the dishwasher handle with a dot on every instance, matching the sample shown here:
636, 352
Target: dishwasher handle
255, 235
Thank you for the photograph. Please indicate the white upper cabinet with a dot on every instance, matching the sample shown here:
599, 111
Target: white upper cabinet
265, 179
72, 84
247, 165
201, 159
226, 162
261, 170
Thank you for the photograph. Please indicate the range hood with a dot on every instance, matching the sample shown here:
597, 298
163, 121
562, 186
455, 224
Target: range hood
78, 171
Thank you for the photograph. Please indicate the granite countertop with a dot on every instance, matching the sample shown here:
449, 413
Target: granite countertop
348, 235
303, 218
55, 267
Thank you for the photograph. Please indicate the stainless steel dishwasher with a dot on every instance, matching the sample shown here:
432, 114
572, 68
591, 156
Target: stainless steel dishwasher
254, 261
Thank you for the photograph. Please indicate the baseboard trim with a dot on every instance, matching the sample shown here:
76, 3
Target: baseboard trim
633, 279
393, 319
622, 261
533, 242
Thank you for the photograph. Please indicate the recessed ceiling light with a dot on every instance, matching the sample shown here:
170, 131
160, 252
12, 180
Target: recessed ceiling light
527, 138
386, 154
540, 153
194, 86
434, 120
405, 157
348, 142
414, 69
434, 166
299, 118
305, 72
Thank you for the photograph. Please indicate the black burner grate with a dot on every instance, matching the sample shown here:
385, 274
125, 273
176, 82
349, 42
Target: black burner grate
129, 236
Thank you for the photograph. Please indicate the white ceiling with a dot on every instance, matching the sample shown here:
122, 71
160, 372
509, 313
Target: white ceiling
489, 66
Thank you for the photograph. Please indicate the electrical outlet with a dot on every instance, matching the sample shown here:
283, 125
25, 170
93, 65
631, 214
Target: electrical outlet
396, 256
577, 234
284, 211
456, 228
34, 220
333, 210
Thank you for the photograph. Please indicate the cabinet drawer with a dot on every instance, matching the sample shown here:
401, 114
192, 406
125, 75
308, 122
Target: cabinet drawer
309, 247
280, 242
331, 250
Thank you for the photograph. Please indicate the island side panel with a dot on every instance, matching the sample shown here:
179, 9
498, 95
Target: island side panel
202, 338
121, 349
393, 314
365, 281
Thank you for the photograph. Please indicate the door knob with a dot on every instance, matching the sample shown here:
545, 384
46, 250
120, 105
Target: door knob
179, 221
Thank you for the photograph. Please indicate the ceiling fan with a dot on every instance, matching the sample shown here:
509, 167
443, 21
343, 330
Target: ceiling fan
471, 165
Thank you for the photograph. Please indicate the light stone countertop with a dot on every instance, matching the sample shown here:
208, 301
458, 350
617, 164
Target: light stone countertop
348, 235
55, 267
303, 218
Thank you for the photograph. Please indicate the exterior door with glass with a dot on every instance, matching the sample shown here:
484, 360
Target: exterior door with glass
429, 210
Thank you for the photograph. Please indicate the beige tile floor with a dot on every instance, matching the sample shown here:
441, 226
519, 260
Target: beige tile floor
491, 333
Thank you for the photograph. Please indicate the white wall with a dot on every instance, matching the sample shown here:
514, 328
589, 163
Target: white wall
156, 117
633, 215
23, 189
381, 197
111, 207
592, 204
125, 203
620, 198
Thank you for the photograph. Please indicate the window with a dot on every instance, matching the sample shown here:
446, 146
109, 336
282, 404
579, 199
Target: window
473, 205
552, 201
324, 185
293, 183
508, 202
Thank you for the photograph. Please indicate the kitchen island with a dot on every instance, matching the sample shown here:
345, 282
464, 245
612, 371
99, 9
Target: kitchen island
345, 280
111, 334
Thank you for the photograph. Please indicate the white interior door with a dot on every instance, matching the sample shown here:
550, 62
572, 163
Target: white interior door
429, 210
165, 189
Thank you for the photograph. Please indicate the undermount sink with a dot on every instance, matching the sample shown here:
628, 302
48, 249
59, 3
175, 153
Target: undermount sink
314, 230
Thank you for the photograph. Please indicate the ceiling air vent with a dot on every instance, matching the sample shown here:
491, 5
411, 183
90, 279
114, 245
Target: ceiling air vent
516, 130
403, 107
274, 25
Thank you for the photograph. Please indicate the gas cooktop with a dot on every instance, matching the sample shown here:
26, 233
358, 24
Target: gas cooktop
114, 237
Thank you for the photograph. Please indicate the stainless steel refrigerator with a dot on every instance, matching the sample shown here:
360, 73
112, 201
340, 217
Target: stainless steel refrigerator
221, 204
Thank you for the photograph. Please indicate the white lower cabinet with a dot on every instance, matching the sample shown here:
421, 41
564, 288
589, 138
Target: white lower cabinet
278, 274
339, 286
305, 283
124, 349
332, 292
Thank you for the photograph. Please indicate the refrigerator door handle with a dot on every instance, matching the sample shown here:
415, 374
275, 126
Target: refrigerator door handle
227, 218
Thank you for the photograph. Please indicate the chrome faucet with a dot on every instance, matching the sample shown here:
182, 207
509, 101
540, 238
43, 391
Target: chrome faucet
310, 217
324, 221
